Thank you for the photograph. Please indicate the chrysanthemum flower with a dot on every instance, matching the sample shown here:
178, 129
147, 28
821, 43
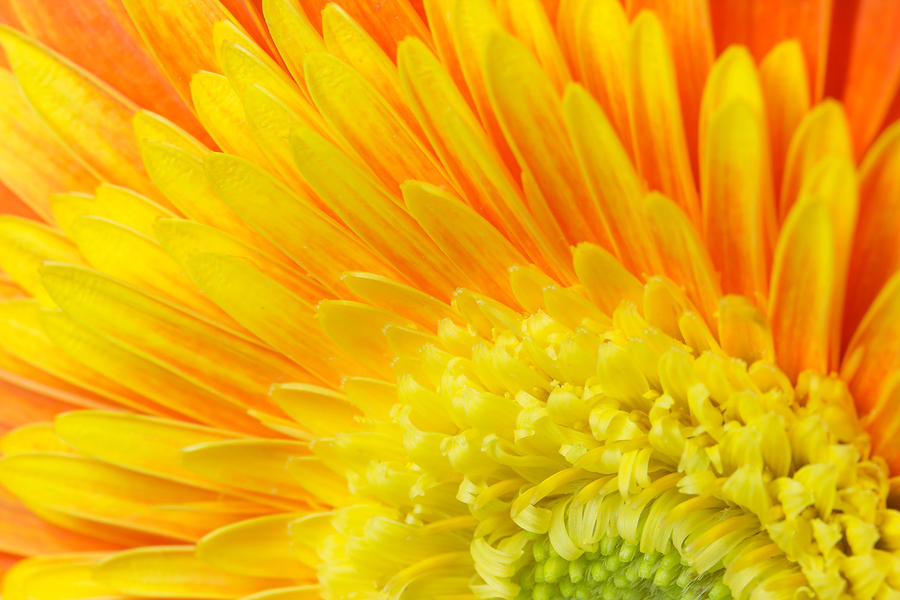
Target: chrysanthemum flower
546, 300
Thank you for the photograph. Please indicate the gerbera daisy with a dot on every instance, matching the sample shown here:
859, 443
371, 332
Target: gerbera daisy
449, 300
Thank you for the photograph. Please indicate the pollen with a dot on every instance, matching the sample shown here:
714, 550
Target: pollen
569, 454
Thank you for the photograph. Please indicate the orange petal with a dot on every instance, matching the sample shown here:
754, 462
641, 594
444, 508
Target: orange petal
876, 249
595, 35
179, 35
872, 354
873, 74
68, 28
90, 118
611, 179
689, 32
736, 188
387, 22
478, 249
785, 85
684, 257
761, 24
801, 302
528, 109
661, 149
33, 164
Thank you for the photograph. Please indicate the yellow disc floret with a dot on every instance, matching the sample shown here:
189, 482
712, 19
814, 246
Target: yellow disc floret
569, 454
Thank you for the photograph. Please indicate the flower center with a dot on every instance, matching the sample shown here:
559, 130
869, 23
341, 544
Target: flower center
569, 454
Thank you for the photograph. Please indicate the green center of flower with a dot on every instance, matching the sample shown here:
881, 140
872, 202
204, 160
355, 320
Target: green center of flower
616, 570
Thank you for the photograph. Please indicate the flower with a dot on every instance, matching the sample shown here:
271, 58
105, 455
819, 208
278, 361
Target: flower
449, 300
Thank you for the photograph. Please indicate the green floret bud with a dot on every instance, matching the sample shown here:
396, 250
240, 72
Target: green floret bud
616, 570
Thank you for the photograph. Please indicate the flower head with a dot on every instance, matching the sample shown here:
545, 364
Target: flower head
449, 300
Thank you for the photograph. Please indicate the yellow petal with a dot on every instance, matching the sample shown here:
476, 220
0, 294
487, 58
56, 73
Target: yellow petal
33, 164
801, 302
292, 32
320, 410
25, 245
226, 362
179, 174
374, 215
256, 465
273, 314
744, 330
399, 299
600, 56
684, 256
90, 118
472, 243
823, 132
151, 126
172, 572
35, 437
607, 282
366, 121
171, 391
310, 238
133, 257
301, 592
472, 159
25, 338
145, 444
66, 577
736, 191
611, 179
220, 111
359, 330
345, 39
182, 239
785, 86
528, 21
110, 495
118, 204
258, 547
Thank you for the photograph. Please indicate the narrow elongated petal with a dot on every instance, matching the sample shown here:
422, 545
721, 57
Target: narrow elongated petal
256, 465
611, 179
876, 248
172, 572
522, 96
88, 489
683, 254
33, 164
311, 239
225, 361
368, 120
801, 303
463, 236
90, 118
654, 109
258, 548
374, 215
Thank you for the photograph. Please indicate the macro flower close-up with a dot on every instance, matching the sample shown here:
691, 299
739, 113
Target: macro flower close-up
450, 299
